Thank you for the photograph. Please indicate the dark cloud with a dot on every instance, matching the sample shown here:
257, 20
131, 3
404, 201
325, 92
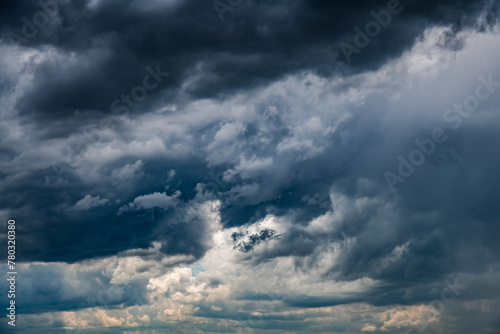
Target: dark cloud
115, 41
253, 239
262, 130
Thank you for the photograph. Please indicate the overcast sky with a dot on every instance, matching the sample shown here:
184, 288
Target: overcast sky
249, 166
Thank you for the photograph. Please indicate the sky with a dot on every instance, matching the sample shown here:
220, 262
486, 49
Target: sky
249, 166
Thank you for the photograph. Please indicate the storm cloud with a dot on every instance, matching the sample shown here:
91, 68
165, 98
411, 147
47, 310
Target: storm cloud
249, 165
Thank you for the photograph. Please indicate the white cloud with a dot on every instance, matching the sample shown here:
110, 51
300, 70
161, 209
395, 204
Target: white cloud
155, 200
171, 175
128, 172
409, 317
369, 328
89, 202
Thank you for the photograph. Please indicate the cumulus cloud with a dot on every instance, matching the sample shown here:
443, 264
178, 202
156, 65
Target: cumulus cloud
155, 200
128, 172
89, 202
415, 317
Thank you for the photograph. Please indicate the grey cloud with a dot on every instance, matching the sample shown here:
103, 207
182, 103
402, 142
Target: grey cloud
265, 43
253, 239
89, 202
155, 200
260, 121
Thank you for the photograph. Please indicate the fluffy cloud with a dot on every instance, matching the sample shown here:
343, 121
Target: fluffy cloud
89, 202
155, 200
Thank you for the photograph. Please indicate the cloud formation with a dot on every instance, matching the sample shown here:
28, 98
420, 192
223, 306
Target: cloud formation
169, 171
89, 202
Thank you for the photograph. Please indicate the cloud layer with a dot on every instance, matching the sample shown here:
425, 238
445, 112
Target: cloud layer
171, 171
